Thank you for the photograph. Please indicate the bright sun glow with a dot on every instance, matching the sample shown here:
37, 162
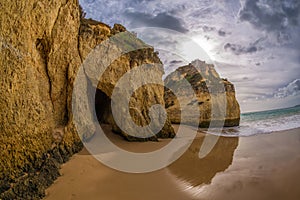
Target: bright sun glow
208, 45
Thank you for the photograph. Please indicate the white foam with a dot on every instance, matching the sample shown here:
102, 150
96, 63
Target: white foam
261, 126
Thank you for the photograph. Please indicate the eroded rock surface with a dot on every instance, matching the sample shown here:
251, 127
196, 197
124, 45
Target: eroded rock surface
207, 86
42, 45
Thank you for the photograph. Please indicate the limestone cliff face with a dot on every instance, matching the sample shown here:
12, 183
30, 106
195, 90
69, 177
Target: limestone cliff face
201, 76
38, 58
144, 97
42, 46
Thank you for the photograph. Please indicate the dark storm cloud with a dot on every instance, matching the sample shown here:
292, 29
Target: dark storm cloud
208, 28
239, 49
271, 14
207, 37
175, 62
162, 20
222, 33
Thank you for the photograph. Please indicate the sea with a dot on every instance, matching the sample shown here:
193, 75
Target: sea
265, 122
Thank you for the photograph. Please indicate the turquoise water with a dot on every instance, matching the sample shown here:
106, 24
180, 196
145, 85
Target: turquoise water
266, 122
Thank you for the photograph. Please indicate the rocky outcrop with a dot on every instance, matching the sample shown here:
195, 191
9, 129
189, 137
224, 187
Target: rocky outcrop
207, 85
42, 46
144, 97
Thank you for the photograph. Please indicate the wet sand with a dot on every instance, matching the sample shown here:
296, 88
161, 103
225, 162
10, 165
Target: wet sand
258, 167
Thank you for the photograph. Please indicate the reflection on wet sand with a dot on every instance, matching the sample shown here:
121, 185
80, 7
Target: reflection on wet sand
263, 167
190, 170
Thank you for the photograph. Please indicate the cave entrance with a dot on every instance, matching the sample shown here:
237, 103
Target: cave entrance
103, 107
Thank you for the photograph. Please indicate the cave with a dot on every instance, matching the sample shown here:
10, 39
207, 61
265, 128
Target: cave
103, 107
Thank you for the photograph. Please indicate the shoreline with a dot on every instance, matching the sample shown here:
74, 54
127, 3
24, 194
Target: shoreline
263, 166
257, 134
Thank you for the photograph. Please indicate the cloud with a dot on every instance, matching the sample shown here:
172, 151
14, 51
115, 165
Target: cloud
206, 28
171, 62
239, 49
271, 15
258, 64
176, 61
162, 20
292, 89
222, 33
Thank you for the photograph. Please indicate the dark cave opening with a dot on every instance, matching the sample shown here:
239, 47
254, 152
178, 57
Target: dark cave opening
103, 107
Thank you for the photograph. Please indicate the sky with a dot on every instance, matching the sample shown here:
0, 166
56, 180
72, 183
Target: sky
253, 43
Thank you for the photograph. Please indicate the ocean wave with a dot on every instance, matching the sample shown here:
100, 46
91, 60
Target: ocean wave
263, 123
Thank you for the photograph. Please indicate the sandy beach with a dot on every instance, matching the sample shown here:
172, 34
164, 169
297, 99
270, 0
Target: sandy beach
258, 167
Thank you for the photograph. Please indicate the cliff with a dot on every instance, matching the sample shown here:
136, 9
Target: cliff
144, 97
42, 46
208, 87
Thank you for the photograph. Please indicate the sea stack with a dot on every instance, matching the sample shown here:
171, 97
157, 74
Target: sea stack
203, 78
